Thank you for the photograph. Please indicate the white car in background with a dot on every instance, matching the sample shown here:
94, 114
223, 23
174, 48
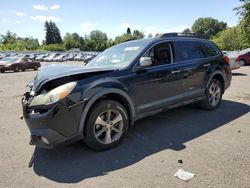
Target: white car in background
232, 55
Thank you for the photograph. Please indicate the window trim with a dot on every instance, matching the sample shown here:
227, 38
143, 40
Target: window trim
172, 57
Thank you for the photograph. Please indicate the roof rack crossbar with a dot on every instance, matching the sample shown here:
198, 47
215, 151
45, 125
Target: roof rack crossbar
192, 35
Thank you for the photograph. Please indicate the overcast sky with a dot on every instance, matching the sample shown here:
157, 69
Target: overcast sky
27, 17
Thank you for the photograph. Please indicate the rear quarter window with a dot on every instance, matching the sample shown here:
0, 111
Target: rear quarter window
211, 49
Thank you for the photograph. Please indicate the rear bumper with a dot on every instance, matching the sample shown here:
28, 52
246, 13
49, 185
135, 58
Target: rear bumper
228, 79
59, 124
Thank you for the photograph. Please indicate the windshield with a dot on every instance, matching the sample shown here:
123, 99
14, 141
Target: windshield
9, 60
118, 56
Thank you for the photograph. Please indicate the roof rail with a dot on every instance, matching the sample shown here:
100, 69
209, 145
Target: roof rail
192, 35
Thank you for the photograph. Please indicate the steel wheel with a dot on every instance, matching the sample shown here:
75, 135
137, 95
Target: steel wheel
214, 93
108, 126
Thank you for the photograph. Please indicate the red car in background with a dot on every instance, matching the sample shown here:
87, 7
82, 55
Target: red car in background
244, 57
16, 64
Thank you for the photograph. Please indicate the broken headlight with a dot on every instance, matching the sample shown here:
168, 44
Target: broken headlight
54, 95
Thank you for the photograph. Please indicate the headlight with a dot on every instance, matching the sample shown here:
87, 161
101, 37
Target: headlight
54, 95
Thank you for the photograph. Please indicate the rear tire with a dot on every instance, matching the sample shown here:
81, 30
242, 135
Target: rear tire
106, 125
2, 70
213, 95
23, 70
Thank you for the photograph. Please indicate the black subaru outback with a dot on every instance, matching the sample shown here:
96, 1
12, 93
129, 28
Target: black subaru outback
100, 101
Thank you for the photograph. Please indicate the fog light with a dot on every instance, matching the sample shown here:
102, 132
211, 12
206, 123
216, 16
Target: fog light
45, 140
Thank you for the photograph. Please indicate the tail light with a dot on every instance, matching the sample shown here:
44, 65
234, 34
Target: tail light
227, 59
227, 68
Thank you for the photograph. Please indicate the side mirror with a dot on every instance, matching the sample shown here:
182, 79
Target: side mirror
145, 62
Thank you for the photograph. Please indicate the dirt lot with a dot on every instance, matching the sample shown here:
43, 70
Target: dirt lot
213, 145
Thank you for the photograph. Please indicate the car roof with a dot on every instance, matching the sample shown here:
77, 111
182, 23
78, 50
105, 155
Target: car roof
147, 41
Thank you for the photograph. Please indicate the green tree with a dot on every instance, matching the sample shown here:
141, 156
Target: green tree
8, 38
56, 33
128, 31
229, 39
208, 26
244, 12
150, 35
48, 33
70, 42
138, 35
81, 43
98, 40
187, 31
31, 44
123, 38
10, 41
79, 39
97, 35
52, 33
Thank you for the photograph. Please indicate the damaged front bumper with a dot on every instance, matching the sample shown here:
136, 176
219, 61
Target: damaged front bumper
53, 125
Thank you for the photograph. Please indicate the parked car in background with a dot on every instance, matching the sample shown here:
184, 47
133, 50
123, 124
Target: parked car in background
244, 57
41, 56
231, 57
129, 81
79, 57
61, 58
16, 64
51, 57
71, 57
88, 58
2, 56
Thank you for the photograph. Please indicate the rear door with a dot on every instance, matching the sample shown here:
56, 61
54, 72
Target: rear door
192, 56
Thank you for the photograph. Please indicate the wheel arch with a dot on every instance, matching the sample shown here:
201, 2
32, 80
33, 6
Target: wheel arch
111, 94
219, 76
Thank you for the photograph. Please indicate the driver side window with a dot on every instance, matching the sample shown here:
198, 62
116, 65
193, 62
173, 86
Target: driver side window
160, 54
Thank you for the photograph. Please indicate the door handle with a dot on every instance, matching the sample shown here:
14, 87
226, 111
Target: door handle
206, 65
175, 71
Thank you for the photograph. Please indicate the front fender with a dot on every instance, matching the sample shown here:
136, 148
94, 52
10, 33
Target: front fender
94, 98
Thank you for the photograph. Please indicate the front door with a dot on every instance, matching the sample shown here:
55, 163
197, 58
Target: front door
159, 85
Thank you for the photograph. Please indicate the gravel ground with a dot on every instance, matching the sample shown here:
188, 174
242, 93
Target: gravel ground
213, 145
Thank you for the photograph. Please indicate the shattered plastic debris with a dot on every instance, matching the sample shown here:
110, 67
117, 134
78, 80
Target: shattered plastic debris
184, 175
180, 161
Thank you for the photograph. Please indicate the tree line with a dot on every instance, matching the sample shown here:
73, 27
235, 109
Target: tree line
95, 41
227, 38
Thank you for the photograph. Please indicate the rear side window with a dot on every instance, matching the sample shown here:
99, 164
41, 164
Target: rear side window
188, 50
211, 49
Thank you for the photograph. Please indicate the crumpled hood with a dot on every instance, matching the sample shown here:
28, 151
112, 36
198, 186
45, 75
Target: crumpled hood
51, 72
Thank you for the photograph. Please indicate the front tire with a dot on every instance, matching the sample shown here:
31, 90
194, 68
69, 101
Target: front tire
106, 125
213, 95
35, 68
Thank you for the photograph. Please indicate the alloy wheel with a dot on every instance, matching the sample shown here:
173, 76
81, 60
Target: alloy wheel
214, 93
108, 126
